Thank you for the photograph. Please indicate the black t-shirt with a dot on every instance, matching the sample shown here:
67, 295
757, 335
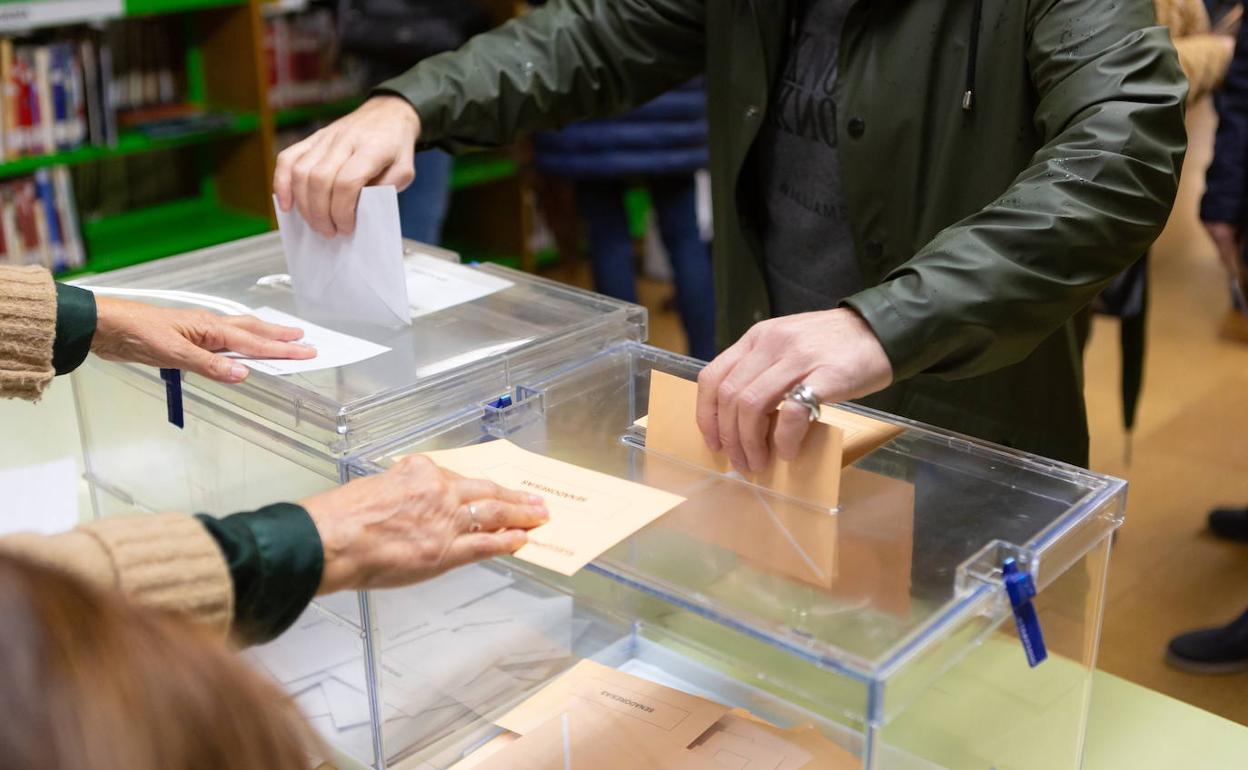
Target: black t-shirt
807, 244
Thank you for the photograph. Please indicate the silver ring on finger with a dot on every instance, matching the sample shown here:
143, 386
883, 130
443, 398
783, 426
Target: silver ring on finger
802, 395
474, 523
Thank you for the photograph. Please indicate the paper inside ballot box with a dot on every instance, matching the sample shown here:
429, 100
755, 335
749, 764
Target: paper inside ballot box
861, 551
657, 713
672, 429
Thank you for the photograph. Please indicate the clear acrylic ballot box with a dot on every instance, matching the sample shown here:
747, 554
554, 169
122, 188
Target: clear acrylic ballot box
886, 623
158, 442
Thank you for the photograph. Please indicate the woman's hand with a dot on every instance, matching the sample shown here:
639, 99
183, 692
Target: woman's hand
322, 176
189, 339
414, 522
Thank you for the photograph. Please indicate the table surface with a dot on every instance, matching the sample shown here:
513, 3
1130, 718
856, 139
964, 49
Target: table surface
1129, 726
1134, 727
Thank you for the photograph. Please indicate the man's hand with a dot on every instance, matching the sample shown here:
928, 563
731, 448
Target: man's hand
1228, 240
188, 339
414, 522
834, 352
323, 174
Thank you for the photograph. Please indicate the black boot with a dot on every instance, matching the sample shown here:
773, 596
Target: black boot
1230, 524
1212, 651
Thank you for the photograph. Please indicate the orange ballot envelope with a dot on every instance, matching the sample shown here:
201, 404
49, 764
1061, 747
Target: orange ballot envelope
589, 511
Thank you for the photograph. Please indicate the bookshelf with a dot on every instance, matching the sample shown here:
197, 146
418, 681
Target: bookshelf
226, 75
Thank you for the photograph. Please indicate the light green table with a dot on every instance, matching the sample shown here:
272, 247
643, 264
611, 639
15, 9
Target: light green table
1134, 728
1131, 727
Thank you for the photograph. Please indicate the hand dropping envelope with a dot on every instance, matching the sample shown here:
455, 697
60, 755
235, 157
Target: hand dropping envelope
358, 277
589, 511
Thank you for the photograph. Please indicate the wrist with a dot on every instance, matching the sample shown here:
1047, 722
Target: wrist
337, 573
871, 360
399, 109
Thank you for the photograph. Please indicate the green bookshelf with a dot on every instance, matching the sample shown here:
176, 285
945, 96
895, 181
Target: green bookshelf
129, 142
153, 7
292, 116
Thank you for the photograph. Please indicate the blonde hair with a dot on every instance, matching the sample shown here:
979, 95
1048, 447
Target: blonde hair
89, 681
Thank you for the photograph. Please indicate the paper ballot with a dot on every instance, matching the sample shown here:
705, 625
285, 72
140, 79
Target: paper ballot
333, 349
356, 277
589, 511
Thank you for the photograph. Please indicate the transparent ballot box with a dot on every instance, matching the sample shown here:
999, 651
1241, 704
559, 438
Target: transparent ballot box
191, 444
881, 629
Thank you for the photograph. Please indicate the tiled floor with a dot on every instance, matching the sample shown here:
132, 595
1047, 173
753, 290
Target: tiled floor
1190, 452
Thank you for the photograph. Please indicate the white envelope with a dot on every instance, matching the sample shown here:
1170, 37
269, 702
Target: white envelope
358, 277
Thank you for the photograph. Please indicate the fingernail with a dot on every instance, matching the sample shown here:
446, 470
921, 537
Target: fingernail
537, 500
238, 372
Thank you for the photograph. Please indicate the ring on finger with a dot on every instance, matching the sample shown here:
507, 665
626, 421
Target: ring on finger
474, 523
802, 395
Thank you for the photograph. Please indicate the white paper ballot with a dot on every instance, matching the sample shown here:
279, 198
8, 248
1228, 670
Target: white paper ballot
333, 349
357, 277
40, 498
435, 284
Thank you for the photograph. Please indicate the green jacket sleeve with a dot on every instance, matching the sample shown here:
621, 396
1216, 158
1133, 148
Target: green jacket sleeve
275, 558
989, 289
75, 327
568, 60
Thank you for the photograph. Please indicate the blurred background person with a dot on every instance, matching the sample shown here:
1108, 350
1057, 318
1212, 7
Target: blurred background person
1224, 212
661, 145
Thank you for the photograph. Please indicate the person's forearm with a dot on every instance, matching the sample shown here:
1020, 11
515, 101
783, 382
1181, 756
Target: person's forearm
567, 60
988, 290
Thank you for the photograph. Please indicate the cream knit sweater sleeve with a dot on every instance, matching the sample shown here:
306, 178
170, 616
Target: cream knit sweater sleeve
27, 331
167, 562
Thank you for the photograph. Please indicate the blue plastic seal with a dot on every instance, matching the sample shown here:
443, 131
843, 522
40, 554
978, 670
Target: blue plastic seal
1022, 589
173, 395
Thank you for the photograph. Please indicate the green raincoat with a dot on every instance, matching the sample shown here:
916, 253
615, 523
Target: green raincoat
1002, 160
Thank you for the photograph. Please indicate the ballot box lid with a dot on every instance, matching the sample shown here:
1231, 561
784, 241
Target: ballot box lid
461, 354
892, 585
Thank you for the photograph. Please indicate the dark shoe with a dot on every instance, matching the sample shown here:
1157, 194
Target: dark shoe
1212, 651
1230, 524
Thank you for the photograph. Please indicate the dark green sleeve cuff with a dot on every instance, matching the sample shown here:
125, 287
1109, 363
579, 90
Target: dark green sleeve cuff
75, 327
275, 558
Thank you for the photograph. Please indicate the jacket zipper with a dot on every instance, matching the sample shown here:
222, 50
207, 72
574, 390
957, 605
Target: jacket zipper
972, 56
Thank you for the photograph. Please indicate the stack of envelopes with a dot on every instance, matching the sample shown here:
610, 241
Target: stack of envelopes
596, 718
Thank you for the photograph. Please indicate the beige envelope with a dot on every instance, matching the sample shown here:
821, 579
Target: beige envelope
876, 540
668, 716
774, 533
584, 736
589, 511
863, 435
672, 429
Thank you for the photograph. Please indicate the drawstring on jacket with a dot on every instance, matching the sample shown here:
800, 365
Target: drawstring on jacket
972, 57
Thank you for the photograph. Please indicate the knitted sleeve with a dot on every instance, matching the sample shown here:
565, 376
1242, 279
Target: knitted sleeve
27, 331
168, 562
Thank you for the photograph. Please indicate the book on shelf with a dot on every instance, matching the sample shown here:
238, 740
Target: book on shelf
65, 89
39, 221
305, 65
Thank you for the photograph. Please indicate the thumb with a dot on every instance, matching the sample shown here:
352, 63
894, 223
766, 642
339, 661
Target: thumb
210, 365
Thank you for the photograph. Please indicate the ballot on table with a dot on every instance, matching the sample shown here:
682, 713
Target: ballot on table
877, 633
